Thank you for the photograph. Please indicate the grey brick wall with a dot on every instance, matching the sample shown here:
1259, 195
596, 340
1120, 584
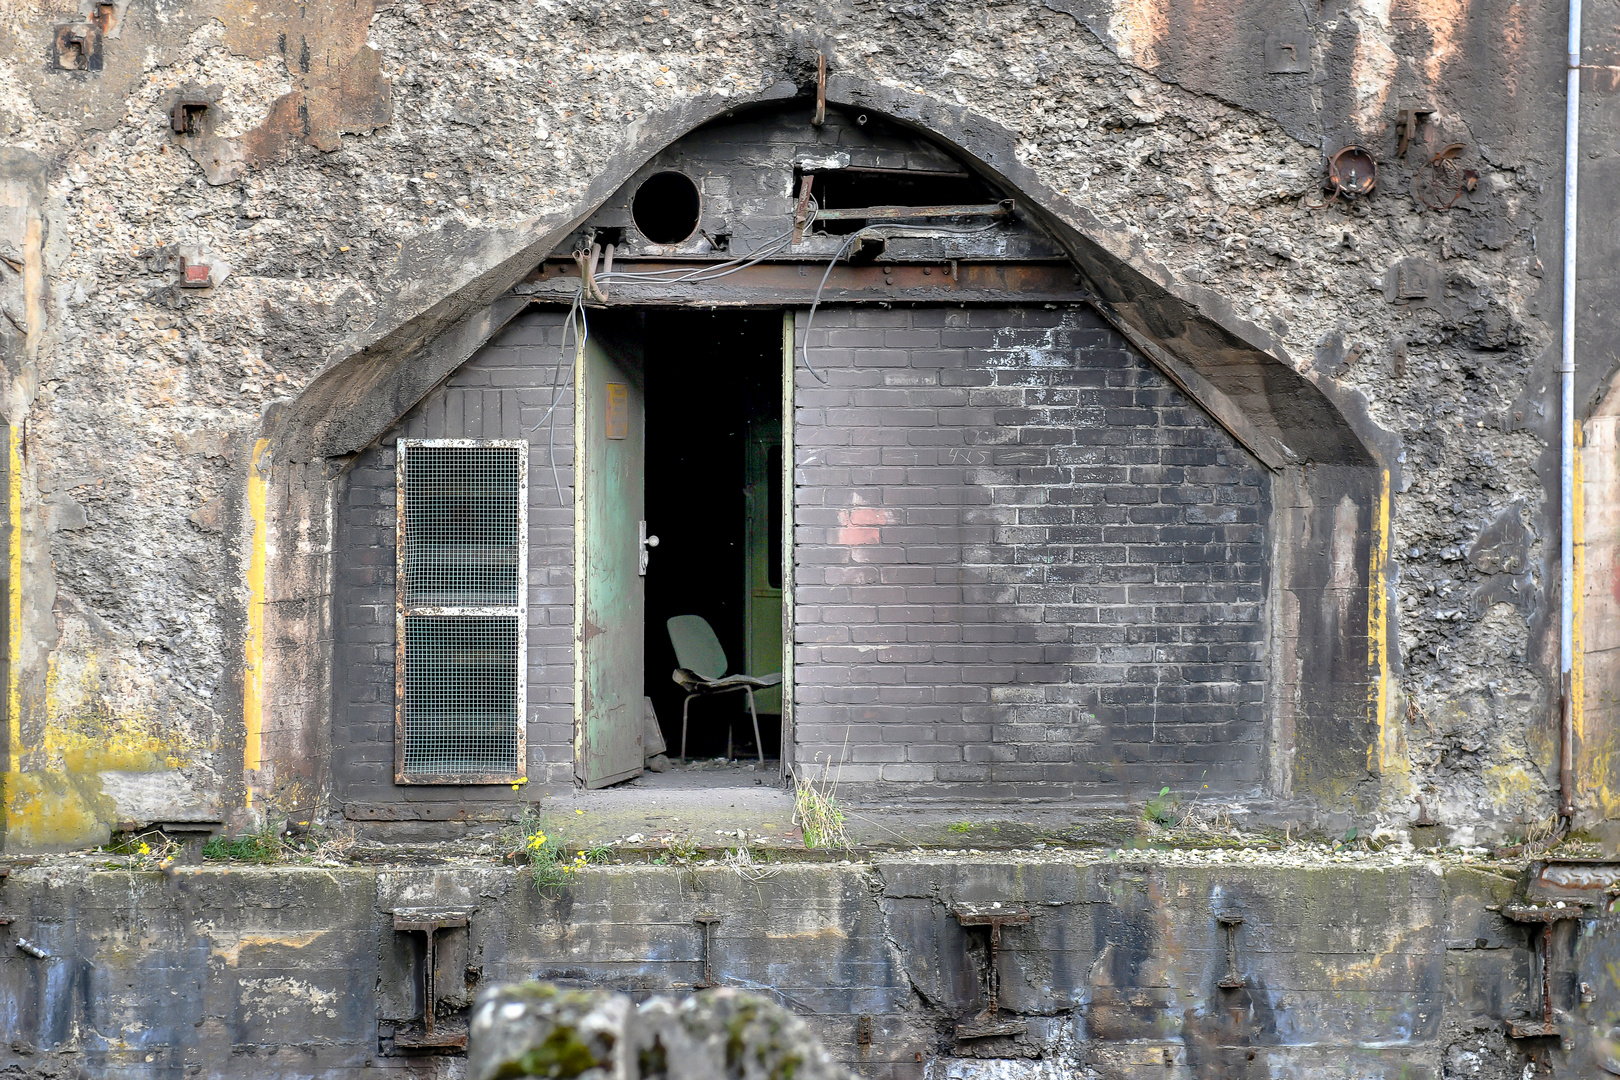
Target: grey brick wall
1027, 566
502, 392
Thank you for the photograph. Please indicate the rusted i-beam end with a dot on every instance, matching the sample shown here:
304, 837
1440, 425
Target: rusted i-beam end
428, 921
993, 917
1545, 915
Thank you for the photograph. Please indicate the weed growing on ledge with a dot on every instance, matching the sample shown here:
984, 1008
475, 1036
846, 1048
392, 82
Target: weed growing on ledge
541, 844
1161, 809
263, 845
816, 810
678, 850
147, 851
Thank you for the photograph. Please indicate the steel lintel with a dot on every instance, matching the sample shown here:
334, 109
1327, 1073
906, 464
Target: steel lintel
796, 283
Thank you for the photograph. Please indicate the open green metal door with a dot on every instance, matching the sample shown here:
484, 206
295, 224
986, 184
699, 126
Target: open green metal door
762, 553
610, 433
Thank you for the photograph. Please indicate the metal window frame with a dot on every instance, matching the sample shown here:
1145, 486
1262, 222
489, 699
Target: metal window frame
520, 611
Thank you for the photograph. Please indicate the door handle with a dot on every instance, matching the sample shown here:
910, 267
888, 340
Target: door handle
646, 543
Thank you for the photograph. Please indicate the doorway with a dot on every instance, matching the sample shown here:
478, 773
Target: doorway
681, 439
714, 437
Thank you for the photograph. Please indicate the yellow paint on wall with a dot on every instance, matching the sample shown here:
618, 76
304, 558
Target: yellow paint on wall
1382, 756
253, 660
14, 598
1511, 786
60, 803
1577, 588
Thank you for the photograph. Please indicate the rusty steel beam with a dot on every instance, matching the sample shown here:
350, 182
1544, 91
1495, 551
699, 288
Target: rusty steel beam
795, 283
906, 213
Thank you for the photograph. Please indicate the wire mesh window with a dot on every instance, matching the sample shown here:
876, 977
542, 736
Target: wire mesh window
461, 525
461, 714
461, 627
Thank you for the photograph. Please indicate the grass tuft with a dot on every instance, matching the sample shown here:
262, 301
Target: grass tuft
816, 810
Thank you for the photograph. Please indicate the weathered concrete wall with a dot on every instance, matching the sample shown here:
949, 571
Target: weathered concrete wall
364, 182
1026, 564
1380, 967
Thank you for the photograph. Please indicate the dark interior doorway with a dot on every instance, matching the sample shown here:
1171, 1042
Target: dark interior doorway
714, 406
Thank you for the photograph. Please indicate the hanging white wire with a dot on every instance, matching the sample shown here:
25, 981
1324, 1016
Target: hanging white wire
714, 272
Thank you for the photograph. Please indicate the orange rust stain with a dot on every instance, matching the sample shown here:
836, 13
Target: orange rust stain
1446, 20
1137, 27
338, 84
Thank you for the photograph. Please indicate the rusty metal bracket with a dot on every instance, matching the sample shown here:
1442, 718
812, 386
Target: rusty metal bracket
105, 17
428, 922
801, 213
991, 917
1233, 979
820, 117
1441, 174
76, 47
1544, 915
1287, 51
1406, 123
707, 922
186, 116
1424, 818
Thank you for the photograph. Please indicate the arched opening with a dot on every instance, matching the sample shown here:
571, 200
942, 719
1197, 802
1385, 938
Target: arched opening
936, 310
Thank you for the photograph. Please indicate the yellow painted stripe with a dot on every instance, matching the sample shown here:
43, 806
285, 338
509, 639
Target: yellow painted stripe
1577, 588
14, 597
253, 666
1381, 755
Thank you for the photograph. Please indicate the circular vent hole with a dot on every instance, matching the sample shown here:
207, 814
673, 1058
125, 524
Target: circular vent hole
666, 207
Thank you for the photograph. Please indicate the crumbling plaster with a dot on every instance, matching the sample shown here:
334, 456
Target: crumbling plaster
375, 255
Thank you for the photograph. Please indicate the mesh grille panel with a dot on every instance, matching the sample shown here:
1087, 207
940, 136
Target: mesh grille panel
461, 702
461, 526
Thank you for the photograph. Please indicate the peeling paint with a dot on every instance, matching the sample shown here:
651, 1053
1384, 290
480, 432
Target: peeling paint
253, 659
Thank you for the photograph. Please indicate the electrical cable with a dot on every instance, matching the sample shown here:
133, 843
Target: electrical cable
558, 383
886, 232
677, 275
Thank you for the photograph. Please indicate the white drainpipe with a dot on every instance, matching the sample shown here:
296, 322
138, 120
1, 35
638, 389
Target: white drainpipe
1566, 378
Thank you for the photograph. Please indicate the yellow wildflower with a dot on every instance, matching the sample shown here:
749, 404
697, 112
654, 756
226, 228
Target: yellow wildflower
143, 849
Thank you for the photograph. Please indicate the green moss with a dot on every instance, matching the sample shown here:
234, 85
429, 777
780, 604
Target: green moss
563, 1054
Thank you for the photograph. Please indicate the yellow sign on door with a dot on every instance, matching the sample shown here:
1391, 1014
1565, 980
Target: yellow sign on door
618, 410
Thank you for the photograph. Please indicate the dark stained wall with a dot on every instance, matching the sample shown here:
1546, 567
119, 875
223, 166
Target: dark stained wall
1027, 566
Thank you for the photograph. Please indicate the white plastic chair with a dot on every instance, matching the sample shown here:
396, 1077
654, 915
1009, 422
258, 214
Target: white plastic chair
702, 672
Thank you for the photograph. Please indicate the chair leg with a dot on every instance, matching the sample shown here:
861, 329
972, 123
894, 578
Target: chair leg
759, 745
684, 706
